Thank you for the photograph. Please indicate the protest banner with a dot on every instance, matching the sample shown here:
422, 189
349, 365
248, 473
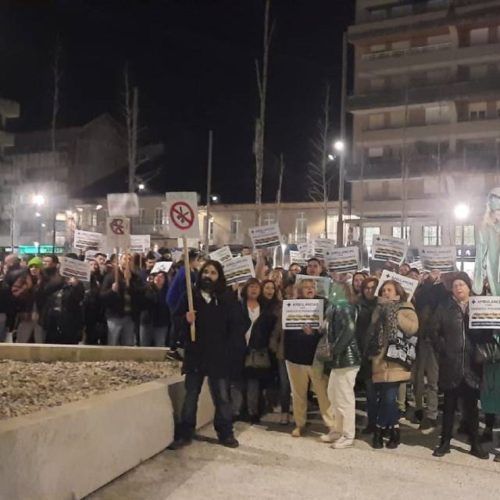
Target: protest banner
163, 266
123, 204
409, 285
182, 211
140, 243
265, 236
87, 240
322, 283
74, 268
239, 269
298, 313
484, 312
90, 254
389, 249
306, 249
344, 259
221, 255
117, 233
441, 258
322, 248
297, 257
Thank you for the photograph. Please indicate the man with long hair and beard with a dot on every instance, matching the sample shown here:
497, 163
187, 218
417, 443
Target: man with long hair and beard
216, 353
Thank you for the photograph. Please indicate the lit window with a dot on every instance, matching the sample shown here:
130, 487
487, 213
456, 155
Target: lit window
235, 224
375, 152
396, 232
369, 233
158, 221
301, 226
477, 111
431, 235
142, 215
468, 235
269, 219
211, 228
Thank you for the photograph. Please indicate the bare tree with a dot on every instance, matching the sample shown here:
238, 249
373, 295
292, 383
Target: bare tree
321, 171
56, 72
262, 75
131, 110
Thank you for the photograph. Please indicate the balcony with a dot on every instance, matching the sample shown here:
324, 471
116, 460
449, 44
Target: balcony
370, 56
459, 90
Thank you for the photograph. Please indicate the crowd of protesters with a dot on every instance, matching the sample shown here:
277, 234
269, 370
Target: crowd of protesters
253, 365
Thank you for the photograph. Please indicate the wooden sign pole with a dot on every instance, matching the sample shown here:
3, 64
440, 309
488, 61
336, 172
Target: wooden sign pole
189, 290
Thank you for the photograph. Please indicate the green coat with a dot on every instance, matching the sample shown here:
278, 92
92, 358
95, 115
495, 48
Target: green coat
342, 335
490, 388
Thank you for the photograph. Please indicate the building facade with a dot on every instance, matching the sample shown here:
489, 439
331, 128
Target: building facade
426, 117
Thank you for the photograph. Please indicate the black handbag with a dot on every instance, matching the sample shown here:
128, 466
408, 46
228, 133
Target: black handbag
258, 359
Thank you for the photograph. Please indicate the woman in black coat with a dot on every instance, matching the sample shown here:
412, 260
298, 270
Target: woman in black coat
216, 352
459, 375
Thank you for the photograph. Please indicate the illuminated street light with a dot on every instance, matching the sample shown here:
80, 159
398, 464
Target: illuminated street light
461, 211
98, 207
214, 198
339, 146
331, 157
141, 186
38, 214
43, 224
38, 200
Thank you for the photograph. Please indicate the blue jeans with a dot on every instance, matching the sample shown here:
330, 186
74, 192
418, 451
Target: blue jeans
387, 408
121, 331
219, 390
371, 402
153, 336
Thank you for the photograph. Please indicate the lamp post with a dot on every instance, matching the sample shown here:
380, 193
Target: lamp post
462, 211
339, 147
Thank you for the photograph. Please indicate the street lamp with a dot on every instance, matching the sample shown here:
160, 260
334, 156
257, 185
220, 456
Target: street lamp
38, 200
462, 211
141, 186
339, 146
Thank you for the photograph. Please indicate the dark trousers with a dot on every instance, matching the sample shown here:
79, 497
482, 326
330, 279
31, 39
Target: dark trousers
219, 390
387, 406
285, 389
371, 402
470, 415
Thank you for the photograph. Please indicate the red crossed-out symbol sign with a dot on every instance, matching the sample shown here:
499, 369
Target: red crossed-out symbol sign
117, 226
181, 215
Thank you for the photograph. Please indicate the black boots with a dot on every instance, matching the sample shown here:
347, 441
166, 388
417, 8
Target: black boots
394, 438
442, 449
476, 450
378, 438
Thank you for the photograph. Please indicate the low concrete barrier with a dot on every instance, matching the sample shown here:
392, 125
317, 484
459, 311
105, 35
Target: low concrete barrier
69, 451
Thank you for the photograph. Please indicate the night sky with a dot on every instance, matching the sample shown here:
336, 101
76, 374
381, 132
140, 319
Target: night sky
193, 62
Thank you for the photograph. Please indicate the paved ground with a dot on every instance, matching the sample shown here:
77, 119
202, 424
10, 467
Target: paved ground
270, 464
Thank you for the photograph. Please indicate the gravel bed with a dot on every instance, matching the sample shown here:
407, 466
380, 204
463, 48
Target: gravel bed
29, 387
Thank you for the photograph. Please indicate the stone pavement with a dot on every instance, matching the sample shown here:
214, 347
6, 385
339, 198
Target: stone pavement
270, 464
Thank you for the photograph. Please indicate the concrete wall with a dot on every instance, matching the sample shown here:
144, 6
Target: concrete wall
70, 451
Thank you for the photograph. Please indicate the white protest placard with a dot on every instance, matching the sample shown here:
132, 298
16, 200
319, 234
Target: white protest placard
74, 268
140, 243
484, 312
442, 258
163, 266
298, 313
389, 249
87, 240
90, 254
118, 232
417, 264
124, 204
306, 249
265, 236
322, 247
239, 269
409, 285
322, 283
182, 211
297, 257
344, 259
221, 254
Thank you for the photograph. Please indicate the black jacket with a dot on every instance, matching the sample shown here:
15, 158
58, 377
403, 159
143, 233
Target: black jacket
262, 328
156, 311
115, 302
219, 348
455, 345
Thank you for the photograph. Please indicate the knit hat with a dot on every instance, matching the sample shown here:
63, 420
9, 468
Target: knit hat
464, 277
35, 262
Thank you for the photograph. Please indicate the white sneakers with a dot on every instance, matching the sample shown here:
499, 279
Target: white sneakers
331, 437
342, 442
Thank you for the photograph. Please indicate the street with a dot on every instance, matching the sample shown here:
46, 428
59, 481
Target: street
270, 464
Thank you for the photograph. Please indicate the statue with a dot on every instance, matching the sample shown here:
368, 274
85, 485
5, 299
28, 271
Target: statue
488, 247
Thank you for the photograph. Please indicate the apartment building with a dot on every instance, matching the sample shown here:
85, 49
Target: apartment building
426, 116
